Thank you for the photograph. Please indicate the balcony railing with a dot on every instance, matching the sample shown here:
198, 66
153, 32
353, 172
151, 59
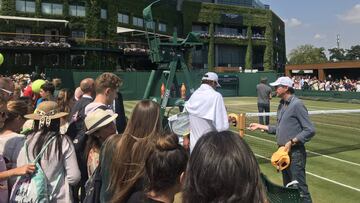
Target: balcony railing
33, 40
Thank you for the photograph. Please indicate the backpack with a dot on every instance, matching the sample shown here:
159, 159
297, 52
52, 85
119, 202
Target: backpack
76, 131
34, 188
93, 187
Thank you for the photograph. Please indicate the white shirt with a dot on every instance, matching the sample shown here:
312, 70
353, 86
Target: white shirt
207, 112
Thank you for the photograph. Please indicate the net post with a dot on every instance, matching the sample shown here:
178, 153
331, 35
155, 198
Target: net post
242, 124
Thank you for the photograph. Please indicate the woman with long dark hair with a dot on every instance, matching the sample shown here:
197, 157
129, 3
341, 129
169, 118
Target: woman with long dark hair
124, 155
164, 172
59, 158
222, 168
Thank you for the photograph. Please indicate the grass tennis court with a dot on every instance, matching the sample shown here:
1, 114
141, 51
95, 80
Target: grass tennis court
333, 164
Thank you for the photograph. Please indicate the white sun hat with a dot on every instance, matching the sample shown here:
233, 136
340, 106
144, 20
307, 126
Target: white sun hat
97, 119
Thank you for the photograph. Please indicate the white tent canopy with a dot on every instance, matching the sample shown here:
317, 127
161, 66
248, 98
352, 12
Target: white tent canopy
134, 32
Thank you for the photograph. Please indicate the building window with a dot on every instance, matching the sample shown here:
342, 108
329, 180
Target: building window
123, 18
23, 33
78, 34
138, 22
52, 35
230, 56
162, 27
77, 60
52, 9
76, 10
51, 59
150, 25
25, 6
103, 14
23, 59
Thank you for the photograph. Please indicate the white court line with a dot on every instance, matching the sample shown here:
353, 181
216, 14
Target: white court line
334, 125
311, 152
320, 177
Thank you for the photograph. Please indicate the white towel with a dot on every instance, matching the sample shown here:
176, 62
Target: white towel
207, 103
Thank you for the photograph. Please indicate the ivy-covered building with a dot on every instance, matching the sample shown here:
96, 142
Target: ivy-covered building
238, 33
108, 34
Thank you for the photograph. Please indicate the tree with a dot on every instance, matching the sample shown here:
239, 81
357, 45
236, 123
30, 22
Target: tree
353, 53
249, 51
337, 54
307, 54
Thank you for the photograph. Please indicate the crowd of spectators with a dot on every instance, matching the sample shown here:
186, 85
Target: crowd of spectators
31, 43
329, 84
233, 36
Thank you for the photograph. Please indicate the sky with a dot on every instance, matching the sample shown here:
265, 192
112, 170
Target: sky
318, 22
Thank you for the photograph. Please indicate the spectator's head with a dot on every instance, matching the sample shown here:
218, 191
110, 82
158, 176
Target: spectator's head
47, 122
165, 167
29, 101
78, 93
222, 168
3, 113
283, 87
17, 91
34, 76
133, 146
107, 85
47, 90
7, 88
57, 83
23, 84
65, 100
145, 119
263, 80
17, 109
211, 79
99, 125
87, 86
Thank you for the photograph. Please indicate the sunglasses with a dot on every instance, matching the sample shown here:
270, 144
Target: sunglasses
7, 91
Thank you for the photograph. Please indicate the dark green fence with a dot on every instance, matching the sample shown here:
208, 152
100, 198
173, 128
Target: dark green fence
134, 83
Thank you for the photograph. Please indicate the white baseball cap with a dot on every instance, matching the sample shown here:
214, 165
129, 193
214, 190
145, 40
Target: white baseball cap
212, 77
284, 81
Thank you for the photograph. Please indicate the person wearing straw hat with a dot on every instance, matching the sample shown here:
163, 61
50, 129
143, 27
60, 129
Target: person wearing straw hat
58, 161
293, 129
100, 125
206, 109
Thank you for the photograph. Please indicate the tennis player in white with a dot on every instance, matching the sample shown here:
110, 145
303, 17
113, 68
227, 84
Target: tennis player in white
206, 109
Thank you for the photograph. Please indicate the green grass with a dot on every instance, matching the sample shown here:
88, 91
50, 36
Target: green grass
337, 137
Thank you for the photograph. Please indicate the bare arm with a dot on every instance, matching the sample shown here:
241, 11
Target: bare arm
19, 171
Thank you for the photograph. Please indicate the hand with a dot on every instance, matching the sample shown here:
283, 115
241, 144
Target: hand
255, 126
24, 170
288, 146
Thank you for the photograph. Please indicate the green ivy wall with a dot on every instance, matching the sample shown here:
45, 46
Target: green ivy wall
210, 14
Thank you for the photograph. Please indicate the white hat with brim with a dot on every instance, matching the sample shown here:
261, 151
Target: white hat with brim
212, 77
98, 119
283, 81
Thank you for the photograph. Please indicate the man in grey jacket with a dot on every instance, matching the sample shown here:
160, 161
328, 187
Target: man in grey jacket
293, 130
